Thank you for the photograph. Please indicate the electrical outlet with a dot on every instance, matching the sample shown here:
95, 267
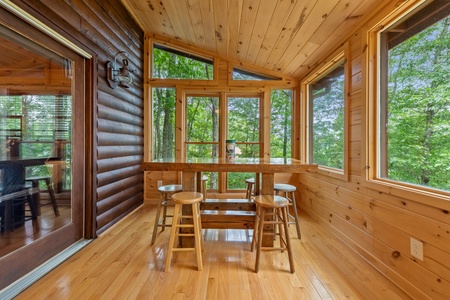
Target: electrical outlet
417, 249
159, 183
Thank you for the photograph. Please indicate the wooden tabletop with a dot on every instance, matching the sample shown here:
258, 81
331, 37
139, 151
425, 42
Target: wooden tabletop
257, 165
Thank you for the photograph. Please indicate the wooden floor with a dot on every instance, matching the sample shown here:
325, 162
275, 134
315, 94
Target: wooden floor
121, 264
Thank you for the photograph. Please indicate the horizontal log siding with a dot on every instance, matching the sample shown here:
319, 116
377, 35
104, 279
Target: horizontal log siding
105, 28
376, 224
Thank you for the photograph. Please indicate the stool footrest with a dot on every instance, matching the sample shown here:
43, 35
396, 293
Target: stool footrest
183, 249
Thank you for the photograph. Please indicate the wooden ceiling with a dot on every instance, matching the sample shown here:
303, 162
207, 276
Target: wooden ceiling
287, 36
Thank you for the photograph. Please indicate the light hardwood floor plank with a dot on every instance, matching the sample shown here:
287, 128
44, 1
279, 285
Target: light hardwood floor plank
122, 264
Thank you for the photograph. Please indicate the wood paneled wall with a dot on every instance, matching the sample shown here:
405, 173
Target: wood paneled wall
114, 185
375, 223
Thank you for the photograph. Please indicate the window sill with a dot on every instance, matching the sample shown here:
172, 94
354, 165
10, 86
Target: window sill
436, 198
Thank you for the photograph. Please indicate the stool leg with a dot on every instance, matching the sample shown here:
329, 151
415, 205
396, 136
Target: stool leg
259, 239
278, 216
164, 205
255, 227
51, 193
197, 235
297, 223
158, 212
173, 233
200, 225
288, 240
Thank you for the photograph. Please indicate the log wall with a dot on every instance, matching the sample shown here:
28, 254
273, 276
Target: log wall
114, 185
373, 221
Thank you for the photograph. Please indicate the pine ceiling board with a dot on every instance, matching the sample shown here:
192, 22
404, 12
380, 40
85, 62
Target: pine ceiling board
249, 14
221, 26
265, 12
234, 19
177, 11
207, 14
359, 14
335, 19
307, 51
136, 9
164, 19
197, 22
280, 16
149, 14
313, 14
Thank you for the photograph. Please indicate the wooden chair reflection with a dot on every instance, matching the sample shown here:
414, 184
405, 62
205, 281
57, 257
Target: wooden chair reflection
48, 182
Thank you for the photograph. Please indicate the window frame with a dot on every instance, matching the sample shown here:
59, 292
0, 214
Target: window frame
340, 55
372, 109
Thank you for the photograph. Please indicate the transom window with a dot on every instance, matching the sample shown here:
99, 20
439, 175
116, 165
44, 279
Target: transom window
170, 63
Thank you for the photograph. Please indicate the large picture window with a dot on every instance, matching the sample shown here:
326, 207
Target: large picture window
326, 102
414, 98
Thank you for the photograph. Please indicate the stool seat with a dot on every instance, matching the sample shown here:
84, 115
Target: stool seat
272, 210
288, 190
271, 201
180, 199
282, 187
187, 197
164, 202
170, 188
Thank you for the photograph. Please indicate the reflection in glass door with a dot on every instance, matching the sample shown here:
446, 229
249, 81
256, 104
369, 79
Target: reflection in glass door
38, 213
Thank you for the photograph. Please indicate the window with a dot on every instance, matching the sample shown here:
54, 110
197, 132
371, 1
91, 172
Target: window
202, 131
240, 74
325, 92
175, 64
414, 99
243, 127
281, 123
163, 122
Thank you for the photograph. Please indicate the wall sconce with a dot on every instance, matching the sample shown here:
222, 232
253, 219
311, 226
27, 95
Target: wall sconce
118, 76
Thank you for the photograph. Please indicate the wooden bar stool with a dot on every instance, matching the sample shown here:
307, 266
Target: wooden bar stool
272, 210
289, 193
165, 191
249, 184
180, 199
35, 184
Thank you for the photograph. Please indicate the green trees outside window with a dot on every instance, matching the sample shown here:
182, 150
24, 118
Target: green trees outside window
163, 122
415, 104
281, 123
327, 100
175, 64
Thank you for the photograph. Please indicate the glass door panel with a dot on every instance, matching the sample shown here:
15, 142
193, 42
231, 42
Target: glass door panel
39, 215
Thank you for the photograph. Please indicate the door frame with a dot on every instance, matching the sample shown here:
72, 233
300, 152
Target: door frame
27, 258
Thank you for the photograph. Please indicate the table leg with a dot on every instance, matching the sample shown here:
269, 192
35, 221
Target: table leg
268, 189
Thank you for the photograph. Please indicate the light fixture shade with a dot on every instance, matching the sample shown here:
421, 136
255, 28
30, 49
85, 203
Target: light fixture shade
118, 76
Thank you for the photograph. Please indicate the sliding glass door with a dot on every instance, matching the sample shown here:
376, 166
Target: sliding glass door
41, 150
